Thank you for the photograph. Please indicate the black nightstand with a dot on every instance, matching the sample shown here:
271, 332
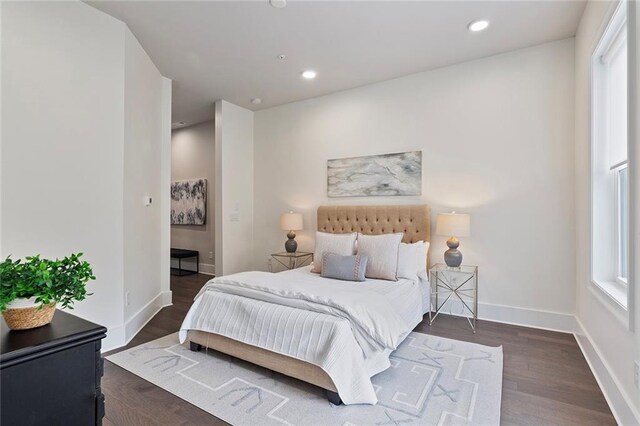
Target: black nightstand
51, 375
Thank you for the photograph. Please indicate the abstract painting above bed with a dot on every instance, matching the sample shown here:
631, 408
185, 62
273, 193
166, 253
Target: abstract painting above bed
375, 175
189, 202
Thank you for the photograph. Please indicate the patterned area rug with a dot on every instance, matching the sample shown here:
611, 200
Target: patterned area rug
432, 381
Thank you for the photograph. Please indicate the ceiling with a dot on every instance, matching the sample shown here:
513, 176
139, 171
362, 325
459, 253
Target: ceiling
229, 49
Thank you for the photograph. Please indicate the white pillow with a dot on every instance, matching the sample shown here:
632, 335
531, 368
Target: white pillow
412, 259
342, 244
382, 251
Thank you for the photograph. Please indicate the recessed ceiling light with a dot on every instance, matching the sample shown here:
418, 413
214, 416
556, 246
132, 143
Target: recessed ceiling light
309, 74
278, 4
478, 25
256, 101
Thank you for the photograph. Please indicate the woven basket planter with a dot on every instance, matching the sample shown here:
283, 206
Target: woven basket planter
23, 314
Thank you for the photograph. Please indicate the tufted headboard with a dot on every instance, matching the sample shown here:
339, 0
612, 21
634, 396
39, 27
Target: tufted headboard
413, 220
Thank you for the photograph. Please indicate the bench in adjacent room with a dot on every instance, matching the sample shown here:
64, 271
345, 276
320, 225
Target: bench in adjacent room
180, 254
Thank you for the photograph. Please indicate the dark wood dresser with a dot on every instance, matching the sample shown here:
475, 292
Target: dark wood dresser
51, 375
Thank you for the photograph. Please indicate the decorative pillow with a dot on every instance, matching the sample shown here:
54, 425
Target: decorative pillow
412, 259
382, 251
346, 268
342, 244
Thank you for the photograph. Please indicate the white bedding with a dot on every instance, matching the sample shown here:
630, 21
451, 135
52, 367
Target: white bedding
346, 328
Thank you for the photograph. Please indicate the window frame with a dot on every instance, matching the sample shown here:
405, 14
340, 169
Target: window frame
614, 288
617, 169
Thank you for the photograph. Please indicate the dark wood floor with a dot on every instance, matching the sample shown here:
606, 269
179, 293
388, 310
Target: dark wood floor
546, 378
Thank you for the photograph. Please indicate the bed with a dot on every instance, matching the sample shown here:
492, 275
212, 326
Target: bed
332, 334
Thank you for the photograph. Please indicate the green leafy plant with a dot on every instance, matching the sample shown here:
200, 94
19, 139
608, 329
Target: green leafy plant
61, 280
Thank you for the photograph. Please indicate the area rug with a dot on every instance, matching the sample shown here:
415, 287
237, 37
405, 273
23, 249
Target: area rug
431, 381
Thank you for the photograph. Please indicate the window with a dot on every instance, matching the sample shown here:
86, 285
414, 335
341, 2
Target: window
622, 192
609, 172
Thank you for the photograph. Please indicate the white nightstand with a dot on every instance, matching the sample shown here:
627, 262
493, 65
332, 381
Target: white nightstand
457, 285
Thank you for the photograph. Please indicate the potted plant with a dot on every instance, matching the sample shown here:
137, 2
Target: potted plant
30, 289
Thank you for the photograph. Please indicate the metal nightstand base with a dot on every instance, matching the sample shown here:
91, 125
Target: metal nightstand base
292, 260
454, 286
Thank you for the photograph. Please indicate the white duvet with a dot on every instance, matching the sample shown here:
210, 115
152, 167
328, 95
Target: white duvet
346, 328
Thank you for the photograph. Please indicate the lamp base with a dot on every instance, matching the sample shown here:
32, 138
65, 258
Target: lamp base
453, 256
291, 246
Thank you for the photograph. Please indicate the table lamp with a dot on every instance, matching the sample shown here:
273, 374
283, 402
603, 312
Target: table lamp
453, 225
291, 222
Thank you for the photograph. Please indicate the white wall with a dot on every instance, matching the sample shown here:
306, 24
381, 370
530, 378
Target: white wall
604, 326
497, 142
74, 167
144, 126
62, 150
1, 115
192, 157
234, 188
165, 196
634, 155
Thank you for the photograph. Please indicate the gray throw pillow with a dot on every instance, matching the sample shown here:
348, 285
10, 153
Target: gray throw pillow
346, 268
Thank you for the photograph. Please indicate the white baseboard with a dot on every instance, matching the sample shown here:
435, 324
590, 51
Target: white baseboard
207, 269
554, 321
115, 338
138, 320
167, 298
121, 335
620, 403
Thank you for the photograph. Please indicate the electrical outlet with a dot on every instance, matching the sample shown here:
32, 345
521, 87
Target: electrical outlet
127, 299
636, 374
210, 255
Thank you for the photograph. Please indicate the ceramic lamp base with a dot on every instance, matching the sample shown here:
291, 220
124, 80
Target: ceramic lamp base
291, 246
453, 256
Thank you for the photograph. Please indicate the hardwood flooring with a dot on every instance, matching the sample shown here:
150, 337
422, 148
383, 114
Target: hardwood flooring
546, 379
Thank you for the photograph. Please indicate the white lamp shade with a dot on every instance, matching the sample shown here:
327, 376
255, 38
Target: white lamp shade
453, 225
291, 221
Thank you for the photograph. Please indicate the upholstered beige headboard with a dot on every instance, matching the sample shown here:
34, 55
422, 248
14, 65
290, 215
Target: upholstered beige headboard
413, 220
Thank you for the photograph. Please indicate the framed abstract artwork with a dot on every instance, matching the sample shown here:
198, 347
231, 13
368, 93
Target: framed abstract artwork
375, 175
189, 202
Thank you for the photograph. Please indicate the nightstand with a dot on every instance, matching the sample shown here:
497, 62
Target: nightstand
292, 260
454, 286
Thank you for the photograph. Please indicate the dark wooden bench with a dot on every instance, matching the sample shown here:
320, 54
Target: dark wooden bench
180, 254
